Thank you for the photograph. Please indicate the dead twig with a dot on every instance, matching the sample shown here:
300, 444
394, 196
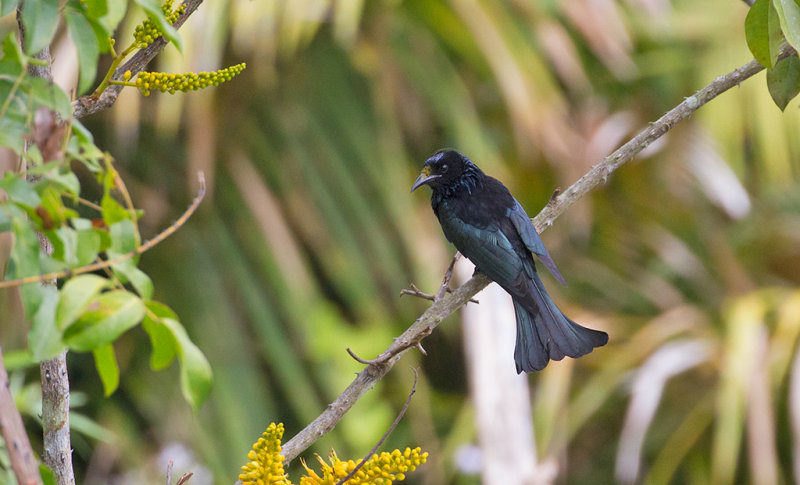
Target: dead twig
444, 288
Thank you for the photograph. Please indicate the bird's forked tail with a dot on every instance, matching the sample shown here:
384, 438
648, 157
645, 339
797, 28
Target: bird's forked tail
544, 333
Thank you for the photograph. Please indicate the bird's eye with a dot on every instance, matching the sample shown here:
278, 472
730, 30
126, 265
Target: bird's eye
444, 168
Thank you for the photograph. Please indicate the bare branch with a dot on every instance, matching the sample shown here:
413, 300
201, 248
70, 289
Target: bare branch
440, 309
122, 257
386, 434
87, 105
57, 452
18, 447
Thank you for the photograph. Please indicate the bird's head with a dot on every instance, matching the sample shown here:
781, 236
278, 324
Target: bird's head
446, 168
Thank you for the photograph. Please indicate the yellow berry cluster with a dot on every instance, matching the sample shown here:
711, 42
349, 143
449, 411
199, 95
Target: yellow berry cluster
381, 469
147, 31
171, 82
266, 463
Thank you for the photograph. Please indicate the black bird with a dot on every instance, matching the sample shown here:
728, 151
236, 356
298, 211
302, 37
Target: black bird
487, 225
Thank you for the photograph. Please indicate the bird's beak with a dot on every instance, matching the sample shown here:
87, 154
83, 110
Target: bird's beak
424, 177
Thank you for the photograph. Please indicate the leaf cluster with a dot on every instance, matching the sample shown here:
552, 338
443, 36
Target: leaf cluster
768, 24
43, 201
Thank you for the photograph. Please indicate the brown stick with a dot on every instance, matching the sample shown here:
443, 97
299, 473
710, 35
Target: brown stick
440, 309
18, 447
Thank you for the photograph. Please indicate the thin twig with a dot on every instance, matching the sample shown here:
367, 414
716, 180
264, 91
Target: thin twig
169, 472
414, 291
446, 280
444, 288
431, 318
359, 359
184, 478
86, 105
385, 435
18, 447
201, 192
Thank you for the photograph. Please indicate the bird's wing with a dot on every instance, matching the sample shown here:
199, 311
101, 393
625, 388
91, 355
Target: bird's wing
522, 223
488, 248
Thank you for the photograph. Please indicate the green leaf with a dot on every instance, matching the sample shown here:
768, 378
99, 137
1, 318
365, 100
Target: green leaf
112, 210
106, 363
161, 338
44, 338
11, 48
12, 130
20, 190
48, 94
116, 12
102, 35
7, 6
96, 8
783, 82
107, 317
18, 359
25, 253
75, 297
87, 427
127, 272
124, 240
89, 245
196, 373
763, 32
56, 212
85, 40
65, 242
40, 19
153, 10
789, 17
65, 179
48, 476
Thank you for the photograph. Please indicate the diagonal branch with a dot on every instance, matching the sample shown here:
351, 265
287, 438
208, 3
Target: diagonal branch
87, 105
451, 302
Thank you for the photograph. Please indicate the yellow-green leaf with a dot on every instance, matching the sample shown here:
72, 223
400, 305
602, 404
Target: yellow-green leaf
106, 363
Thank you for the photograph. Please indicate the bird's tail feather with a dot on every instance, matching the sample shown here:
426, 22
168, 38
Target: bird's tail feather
544, 333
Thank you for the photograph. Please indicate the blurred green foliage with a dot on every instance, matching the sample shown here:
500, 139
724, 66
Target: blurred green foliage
688, 256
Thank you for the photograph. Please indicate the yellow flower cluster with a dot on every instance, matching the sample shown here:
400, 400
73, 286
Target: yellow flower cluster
266, 465
266, 462
171, 82
381, 469
146, 32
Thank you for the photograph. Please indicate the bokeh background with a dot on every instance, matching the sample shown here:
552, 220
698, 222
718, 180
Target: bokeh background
689, 256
